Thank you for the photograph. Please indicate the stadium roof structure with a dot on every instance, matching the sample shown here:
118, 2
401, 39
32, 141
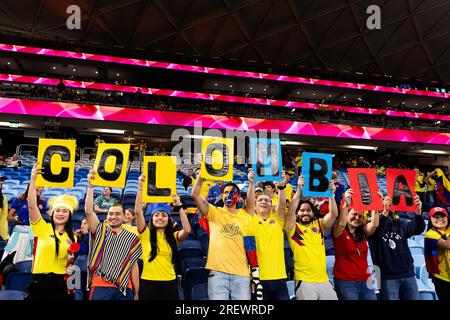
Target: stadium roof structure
309, 36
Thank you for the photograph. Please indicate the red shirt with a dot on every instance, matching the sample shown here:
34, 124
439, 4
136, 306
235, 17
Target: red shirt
350, 265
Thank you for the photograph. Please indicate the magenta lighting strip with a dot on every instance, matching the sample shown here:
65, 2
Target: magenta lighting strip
219, 71
218, 97
181, 119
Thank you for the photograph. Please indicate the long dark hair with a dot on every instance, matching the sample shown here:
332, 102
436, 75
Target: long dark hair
67, 228
170, 238
1, 198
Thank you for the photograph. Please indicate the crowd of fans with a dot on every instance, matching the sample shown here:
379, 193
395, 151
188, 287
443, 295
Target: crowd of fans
246, 234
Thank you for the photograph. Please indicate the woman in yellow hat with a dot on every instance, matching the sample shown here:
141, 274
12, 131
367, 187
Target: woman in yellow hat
50, 256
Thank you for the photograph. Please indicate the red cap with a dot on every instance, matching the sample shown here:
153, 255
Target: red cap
438, 210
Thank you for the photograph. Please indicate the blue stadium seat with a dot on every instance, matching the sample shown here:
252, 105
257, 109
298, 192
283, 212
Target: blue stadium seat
193, 277
12, 295
18, 281
200, 292
191, 262
189, 248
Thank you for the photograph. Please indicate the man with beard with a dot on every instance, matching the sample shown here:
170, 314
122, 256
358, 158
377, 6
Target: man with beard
305, 234
229, 277
113, 272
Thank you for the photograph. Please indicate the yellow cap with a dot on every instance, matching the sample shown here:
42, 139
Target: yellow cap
67, 201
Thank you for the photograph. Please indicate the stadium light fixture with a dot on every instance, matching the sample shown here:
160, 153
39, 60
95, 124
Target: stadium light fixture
432, 151
9, 124
113, 131
292, 143
351, 146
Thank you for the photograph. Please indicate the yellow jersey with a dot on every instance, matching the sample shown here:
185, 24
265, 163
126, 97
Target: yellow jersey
307, 244
431, 184
44, 258
226, 251
161, 268
269, 238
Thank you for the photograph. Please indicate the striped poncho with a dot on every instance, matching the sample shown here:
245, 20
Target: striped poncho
112, 255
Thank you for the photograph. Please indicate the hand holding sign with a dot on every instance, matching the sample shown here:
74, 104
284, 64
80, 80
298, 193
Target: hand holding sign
91, 177
37, 170
141, 181
418, 204
285, 180
177, 201
387, 202
348, 198
251, 175
300, 183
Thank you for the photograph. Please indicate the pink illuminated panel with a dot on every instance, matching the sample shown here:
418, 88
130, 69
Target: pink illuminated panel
219, 71
219, 97
106, 113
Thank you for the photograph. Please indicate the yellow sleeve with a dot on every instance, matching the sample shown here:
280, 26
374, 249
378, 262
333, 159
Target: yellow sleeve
212, 213
431, 234
4, 220
145, 234
39, 227
280, 221
289, 190
175, 234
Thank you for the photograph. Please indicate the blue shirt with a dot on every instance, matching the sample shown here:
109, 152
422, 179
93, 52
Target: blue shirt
21, 207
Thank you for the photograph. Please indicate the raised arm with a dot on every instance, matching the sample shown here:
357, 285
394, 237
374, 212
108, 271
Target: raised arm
329, 219
184, 233
430, 174
343, 216
33, 209
140, 220
371, 227
201, 203
281, 205
250, 203
91, 217
291, 218
417, 225
387, 202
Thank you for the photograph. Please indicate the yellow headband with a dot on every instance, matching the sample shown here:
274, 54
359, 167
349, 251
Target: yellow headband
67, 201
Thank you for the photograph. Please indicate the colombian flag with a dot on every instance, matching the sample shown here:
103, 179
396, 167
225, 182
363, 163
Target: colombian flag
431, 255
443, 188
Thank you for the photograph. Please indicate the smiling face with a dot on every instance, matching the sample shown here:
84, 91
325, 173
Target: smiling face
60, 215
439, 221
305, 214
129, 217
115, 216
355, 218
160, 219
263, 203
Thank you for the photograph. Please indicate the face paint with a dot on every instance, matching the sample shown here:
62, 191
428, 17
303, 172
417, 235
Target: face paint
231, 198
